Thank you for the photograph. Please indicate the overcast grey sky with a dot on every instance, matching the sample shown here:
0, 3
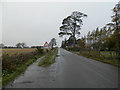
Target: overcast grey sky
37, 22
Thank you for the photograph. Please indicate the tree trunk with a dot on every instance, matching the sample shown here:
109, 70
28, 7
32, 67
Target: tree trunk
74, 35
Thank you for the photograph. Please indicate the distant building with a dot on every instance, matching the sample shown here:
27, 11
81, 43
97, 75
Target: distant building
88, 42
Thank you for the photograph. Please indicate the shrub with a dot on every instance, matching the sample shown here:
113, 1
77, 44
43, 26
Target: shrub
40, 50
11, 62
49, 58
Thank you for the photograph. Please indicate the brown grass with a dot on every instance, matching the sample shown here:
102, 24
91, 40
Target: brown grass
15, 61
18, 51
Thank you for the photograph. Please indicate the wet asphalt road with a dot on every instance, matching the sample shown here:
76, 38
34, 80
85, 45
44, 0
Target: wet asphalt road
35, 77
69, 71
75, 71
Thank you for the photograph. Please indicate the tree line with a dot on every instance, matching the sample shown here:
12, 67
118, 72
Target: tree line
106, 38
18, 45
51, 44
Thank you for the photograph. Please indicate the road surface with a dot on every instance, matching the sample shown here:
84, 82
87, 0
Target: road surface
69, 71
75, 71
35, 77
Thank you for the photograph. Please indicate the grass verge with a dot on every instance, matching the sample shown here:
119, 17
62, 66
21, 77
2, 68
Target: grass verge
103, 59
49, 58
10, 77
